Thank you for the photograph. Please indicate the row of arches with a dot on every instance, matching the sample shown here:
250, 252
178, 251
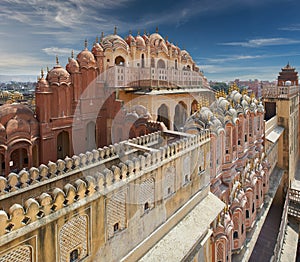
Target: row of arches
20, 157
120, 61
180, 117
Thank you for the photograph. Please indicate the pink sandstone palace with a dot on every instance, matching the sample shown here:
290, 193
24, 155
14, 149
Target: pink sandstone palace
130, 156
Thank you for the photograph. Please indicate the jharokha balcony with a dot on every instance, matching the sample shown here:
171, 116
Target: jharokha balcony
284, 92
133, 77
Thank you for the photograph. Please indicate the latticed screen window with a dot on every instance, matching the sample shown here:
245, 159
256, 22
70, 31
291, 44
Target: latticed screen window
145, 196
220, 252
169, 181
73, 238
116, 213
228, 139
186, 170
20, 254
250, 125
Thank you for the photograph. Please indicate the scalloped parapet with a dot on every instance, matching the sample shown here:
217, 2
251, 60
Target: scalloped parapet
99, 182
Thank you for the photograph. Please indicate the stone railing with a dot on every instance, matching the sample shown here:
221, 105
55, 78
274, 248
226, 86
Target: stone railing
273, 91
121, 76
93, 185
62, 168
294, 203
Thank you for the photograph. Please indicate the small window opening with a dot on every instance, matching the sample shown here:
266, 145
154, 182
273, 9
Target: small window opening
116, 227
74, 255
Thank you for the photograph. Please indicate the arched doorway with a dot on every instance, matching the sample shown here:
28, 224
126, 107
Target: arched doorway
63, 145
120, 61
163, 115
90, 136
180, 116
161, 64
194, 107
18, 160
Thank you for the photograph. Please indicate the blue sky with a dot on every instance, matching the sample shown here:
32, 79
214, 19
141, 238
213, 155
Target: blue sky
228, 39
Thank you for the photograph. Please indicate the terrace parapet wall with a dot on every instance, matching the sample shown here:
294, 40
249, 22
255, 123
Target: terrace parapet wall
86, 188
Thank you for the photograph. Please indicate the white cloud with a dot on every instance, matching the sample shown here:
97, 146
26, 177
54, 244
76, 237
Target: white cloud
228, 73
233, 58
293, 27
52, 51
264, 42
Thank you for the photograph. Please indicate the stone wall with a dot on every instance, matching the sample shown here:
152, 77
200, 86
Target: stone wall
94, 213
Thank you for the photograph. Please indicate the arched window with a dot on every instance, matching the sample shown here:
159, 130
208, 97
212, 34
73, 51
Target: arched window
235, 235
176, 64
194, 107
120, 61
161, 64
143, 61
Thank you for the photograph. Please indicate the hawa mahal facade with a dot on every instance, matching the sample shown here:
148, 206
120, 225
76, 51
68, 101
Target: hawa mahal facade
129, 144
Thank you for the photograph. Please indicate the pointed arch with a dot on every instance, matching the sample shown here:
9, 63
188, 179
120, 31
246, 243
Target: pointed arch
63, 145
120, 61
163, 115
180, 116
90, 136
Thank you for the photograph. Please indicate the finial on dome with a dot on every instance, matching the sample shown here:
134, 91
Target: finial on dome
97, 40
166, 38
72, 54
47, 69
115, 30
138, 32
42, 73
102, 36
156, 30
130, 32
57, 60
145, 32
85, 43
